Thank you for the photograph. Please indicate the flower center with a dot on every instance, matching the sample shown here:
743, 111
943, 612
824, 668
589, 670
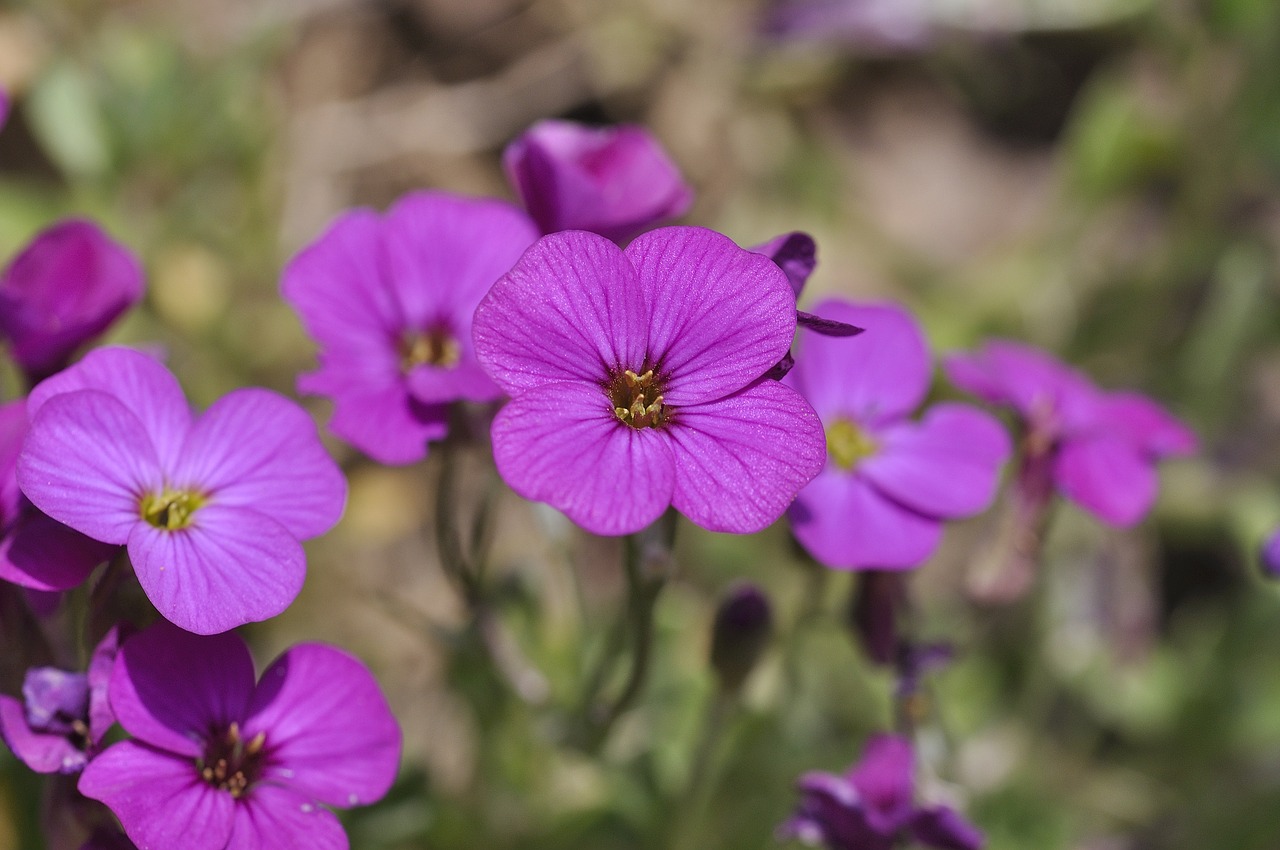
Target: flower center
230, 763
172, 509
847, 444
433, 347
637, 399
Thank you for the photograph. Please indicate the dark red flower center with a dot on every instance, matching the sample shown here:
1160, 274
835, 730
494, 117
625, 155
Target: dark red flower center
435, 346
231, 763
637, 399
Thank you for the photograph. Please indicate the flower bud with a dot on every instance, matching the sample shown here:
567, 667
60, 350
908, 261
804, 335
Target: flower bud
743, 626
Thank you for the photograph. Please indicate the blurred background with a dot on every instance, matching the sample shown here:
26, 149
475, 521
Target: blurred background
1097, 177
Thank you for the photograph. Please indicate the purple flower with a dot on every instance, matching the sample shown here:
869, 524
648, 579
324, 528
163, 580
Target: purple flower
872, 807
36, 552
614, 181
219, 763
62, 717
890, 482
212, 508
877, 26
390, 301
636, 381
797, 255
4, 107
1101, 447
1271, 555
63, 290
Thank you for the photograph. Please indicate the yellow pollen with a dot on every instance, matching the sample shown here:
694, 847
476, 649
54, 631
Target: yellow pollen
637, 399
847, 444
435, 347
171, 510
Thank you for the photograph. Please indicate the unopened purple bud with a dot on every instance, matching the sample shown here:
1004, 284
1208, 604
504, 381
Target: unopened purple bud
1271, 555
743, 626
55, 699
873, 613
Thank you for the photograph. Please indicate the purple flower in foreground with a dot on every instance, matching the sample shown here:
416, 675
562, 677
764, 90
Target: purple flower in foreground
636, 384
1100, 448
212, 508
219, 763
63, 290
390, 299
890, 482
614, 181
872, 807
62, 717
36, 552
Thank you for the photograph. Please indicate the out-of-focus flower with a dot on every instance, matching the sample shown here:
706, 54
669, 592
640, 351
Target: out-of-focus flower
62, 717
889, 482
63, 290
876, 26
4, 107
740, 633
219, 762
212, 508
390, 301
636, 381
1271, 554
1100, 448
36, 551
872, 807
614, 181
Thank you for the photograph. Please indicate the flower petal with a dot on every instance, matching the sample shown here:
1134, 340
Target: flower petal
232, 566
466, 381
795, 253
273, 818
563, 445
881, 375
377, 415
1043, 389
160, 799
571, 309
1271, 555
944, 828
329, 730
140, 382
1138, 419
256, 449
41, 553
845, 523
86, 462
43, 752
1107, 476
885, 779
101, 715
741, 460
946, 465
721, 316
170, 688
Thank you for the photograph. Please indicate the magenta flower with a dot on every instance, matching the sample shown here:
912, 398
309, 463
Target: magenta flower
63, 290
36, 551
635, 379
890, 482
1100, 447
872, 807
614, 181
219, 763
62, 717
212, 508
390, 301
1271, 555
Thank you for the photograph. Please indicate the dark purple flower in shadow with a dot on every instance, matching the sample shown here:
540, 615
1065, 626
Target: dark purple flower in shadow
4, 107
1099, 448
1271, 555
636, 381
614, 181
61, 291
218, 762
390, 300
211, 507
890, 482
872, 807
740, 633
62, 717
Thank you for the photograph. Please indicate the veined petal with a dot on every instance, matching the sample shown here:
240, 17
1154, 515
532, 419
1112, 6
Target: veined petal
86, 462
274, 818
846, 524
563, 445
741, 460
256, 449
160, 799
571, 309
140, 382
1107, 476
377, 415
878, 376
946, 465
721, 315
329, 730
41, 553
231, 566
169, 688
